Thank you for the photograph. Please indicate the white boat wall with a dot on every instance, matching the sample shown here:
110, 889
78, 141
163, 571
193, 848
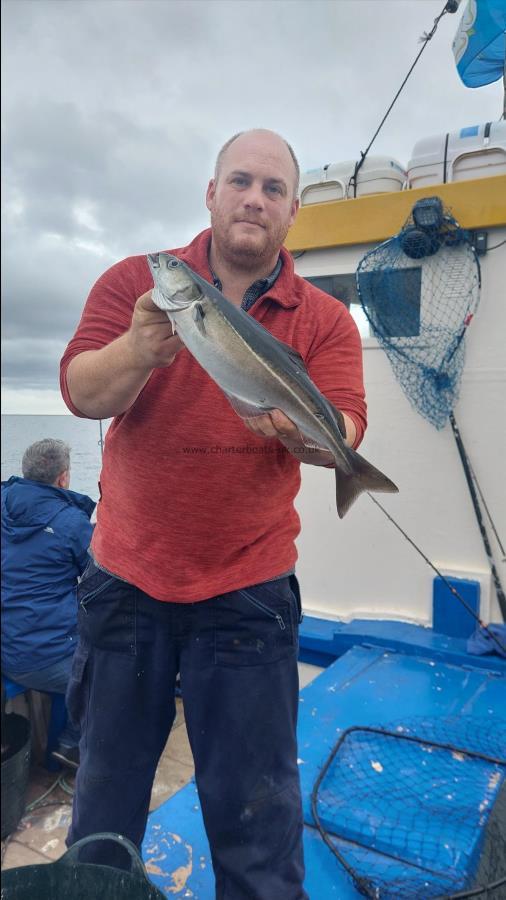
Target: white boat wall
361, 566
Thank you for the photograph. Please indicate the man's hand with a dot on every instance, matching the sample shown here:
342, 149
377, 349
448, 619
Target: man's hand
275, 424
151, 340
106, 382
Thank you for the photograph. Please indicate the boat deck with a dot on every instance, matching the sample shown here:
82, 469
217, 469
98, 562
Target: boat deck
406, 693
40, 835
394, 677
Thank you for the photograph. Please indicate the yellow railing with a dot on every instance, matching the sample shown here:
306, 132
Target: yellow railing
476, 204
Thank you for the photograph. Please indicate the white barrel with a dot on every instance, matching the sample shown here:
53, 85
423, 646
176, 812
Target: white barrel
378, 174
475, 152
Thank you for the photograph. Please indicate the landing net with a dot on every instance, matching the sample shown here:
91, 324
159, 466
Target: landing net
418, 811
419, 291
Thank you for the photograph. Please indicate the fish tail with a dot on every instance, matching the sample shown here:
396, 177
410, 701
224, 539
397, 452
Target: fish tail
362, 477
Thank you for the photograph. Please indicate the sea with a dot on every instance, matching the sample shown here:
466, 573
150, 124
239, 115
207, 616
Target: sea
83, 436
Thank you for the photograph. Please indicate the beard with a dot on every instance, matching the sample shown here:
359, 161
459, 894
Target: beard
246, 251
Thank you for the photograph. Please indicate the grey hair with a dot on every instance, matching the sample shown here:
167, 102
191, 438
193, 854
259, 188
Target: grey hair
226, 145
45, 460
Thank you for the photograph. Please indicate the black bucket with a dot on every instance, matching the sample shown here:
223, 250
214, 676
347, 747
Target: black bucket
15, 770
68, 879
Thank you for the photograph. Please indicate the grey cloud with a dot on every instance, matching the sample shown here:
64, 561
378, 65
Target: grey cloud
43, 369
60, 160
114, 111
44, 284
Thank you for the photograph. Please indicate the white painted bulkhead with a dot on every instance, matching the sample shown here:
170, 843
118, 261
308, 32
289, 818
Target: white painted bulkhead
362, 566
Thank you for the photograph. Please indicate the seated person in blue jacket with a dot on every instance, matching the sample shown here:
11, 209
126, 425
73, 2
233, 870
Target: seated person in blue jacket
46, 531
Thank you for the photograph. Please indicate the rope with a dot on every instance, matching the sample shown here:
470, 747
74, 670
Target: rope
450, 7
61, 783
450, 587
39, 801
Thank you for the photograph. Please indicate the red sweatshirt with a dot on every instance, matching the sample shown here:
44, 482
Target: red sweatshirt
192, 503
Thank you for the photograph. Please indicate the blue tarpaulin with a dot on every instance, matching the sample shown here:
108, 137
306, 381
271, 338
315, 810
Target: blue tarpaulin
479, 45
481, 642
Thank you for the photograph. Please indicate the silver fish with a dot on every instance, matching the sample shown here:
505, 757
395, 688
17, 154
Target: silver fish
257, 372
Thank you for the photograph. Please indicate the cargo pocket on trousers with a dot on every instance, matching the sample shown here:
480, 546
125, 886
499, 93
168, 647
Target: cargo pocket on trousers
77, 689
254, 626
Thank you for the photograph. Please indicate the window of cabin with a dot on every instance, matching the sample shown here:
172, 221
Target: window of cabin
392, 296
344, 288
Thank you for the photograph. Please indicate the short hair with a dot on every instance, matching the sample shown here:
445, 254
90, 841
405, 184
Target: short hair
226, 145
45, 460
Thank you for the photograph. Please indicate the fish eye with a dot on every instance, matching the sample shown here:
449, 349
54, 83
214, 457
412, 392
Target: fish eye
173, 263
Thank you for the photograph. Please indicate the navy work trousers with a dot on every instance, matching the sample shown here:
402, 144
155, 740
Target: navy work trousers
237, 659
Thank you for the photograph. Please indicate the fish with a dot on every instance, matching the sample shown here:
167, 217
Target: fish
256, 371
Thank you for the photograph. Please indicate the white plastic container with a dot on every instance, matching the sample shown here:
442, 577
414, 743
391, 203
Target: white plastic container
475, 152
377, 175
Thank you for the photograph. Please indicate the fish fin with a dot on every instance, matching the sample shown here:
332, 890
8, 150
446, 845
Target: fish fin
244, 409
363, 477
198, 318
292, 353
338, 419
294, 356
312, 445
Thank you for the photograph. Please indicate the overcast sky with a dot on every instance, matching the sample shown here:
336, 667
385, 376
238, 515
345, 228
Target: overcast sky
114, 110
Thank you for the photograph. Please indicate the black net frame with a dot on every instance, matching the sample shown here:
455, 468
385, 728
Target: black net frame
483, 888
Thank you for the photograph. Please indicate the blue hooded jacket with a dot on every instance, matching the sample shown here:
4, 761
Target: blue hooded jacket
46, 532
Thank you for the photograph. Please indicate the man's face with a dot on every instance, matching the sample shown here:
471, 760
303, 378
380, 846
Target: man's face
252, 202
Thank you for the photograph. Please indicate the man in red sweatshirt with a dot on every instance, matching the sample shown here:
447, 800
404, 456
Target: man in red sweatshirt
193, 554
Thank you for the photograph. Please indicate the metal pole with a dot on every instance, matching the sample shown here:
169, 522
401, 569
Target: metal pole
483, 531
101, 439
